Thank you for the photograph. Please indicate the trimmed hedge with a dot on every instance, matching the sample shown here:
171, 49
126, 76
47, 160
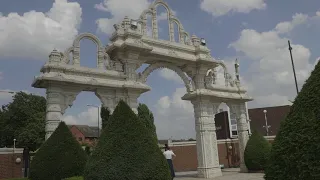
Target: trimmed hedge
61, 156
126, 151
146, 116
257, 152
295, 151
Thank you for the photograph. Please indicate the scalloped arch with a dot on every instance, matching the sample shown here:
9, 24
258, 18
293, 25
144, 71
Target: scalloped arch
188, 83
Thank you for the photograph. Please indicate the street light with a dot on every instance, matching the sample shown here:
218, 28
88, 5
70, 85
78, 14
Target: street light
98, 116
266, 120
293, 69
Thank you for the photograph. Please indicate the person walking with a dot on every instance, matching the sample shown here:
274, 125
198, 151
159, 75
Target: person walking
169, 155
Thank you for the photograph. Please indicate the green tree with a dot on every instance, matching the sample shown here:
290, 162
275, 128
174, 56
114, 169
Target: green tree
105, 115
23, 119
257, 152
61, 156
146, 116
295, 151
126, 151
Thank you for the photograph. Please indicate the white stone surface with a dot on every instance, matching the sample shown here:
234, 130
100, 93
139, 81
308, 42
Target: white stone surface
115, 78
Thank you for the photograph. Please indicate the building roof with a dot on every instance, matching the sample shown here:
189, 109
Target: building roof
87, 131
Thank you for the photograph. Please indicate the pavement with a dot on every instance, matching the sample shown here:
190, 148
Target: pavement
228, 174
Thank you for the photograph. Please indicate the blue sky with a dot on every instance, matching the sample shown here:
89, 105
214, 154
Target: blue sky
254, 31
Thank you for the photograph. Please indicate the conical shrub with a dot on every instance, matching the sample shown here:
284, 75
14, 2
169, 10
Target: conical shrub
257, 152
126, 151
61, 156
146, 116
295, 151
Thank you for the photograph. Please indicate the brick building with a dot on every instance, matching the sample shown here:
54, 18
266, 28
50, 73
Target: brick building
228, 147
85, 134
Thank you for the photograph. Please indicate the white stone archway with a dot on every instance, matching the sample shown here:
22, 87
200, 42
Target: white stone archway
116, 77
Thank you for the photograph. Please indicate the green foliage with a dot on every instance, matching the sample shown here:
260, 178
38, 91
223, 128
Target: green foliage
146, 116
23, 119
105, 115
295, 151
257, 152
72, 178
126, 151
61, 156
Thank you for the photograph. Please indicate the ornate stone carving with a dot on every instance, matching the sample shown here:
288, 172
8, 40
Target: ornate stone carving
208, 162
151, 68
239, 109
115, 78
172, 53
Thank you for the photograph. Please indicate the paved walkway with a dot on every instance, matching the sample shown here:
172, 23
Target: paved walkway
228, 174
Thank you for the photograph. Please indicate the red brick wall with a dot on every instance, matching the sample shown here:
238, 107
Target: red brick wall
9, 168
186, 159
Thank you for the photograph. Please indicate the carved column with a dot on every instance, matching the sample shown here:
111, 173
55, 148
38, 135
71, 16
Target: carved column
243, 131
54, 111
207, 150
100, 63
132, 100
76, 56
171, 30
154, 23
199, 78
107, 97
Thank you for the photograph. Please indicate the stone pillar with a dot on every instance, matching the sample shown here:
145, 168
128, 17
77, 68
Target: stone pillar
155, 34
207, 149
132, 100
199, 78
243, 131
76, 56
100, 61
54, 112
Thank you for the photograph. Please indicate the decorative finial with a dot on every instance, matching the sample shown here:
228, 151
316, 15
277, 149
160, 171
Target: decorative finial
55, 56
236, 66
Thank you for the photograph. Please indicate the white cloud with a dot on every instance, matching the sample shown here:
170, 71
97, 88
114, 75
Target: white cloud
270, 70
170, 75
118, 11
287, 26
35, 34
6, 94
223, 7
88, 117
174, 117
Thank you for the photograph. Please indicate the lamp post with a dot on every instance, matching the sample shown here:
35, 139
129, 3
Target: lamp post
266, 121
293, 69
98, 117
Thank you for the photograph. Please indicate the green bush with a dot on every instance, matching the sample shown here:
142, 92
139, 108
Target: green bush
295, 151
61, 156
146, 116
126, 151
257, 152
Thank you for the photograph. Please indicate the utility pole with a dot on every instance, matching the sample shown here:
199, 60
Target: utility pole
294, 71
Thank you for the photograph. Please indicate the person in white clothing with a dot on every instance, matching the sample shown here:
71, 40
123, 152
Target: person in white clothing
169, 155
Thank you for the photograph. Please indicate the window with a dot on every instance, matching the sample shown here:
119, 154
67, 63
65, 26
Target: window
80, 139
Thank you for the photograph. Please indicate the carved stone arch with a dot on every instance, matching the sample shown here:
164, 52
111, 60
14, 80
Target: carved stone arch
66, 54
187, 82
164, 4
101, 54
90, 36
180, 28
